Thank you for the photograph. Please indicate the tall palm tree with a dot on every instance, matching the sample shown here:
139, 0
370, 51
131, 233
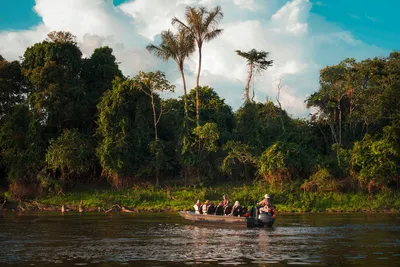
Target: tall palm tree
178, 47
203, 25
257, 61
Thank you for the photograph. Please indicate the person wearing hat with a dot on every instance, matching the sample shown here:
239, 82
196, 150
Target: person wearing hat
197, 207
266, 201
205, 206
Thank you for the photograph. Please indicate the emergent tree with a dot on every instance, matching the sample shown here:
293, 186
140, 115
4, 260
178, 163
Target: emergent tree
178, 47
257, 62
203, 25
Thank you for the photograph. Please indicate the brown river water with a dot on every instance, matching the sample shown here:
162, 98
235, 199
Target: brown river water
165, 239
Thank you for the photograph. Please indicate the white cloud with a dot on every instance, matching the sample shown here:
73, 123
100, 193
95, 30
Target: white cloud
293, 16
248, 4
354, 16
373, 19
13, 44
299, 42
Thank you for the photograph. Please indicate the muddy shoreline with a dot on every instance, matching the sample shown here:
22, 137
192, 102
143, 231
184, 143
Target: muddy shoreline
33, 206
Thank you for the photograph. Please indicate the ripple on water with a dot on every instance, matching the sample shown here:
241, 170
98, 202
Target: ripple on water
264, 262
123, 240
230, 263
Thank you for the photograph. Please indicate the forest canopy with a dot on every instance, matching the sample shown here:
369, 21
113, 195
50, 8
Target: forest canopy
66, 119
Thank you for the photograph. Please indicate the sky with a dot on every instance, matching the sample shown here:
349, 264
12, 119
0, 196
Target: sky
302, 37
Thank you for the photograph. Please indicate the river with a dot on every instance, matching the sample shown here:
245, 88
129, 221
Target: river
165, 239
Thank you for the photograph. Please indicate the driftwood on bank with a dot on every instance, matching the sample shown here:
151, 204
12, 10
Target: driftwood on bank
2, 205
20, 207
120, 208
33, 205
126, 210
107, 211
39, 206
28, 204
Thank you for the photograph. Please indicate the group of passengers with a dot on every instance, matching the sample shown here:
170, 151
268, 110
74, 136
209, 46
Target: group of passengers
223, 207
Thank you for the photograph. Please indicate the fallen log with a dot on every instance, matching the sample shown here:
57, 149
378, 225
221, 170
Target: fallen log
107, 211
126, 210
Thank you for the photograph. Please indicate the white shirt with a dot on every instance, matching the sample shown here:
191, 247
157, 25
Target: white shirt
196, 209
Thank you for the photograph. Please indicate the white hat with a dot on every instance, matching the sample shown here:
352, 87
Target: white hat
266, 196
237, 203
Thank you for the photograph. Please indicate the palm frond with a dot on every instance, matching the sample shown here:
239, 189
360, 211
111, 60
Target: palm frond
213, 18
170, 42
180, 24
186, 43
194, 17
212, 34
158, 51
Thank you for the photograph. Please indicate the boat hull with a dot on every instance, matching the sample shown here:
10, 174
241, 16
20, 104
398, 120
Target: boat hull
248, 222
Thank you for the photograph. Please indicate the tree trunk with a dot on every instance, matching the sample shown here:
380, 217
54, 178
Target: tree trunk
333, 133
197, 89
280, 106
184, 91
340, 125
155, 133
283, 125
247, 94
154, 116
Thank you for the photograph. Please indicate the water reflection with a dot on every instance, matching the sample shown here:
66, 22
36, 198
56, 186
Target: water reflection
167, 240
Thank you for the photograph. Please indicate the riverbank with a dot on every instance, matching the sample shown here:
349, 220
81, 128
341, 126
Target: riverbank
174, 199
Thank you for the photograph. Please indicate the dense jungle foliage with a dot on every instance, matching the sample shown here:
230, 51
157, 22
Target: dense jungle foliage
66, 120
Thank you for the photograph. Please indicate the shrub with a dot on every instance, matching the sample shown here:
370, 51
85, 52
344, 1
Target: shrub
320, 181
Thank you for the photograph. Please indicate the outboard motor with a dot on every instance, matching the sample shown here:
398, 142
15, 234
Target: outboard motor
264, 217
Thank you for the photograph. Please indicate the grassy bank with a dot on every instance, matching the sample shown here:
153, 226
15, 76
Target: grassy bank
174, 199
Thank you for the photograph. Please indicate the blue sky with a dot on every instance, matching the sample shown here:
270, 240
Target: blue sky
374, 22
302, 37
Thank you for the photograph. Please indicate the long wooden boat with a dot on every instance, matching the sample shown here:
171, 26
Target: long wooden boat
226, 220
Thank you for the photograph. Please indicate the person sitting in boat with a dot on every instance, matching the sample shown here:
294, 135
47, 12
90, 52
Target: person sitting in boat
266, 201
211, 208
197, 207
220, 209
236, 209
267, 206
225, 202
205, 206
227, 210
246, 213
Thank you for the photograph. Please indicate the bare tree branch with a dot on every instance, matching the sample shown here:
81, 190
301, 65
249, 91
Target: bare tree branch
279, 103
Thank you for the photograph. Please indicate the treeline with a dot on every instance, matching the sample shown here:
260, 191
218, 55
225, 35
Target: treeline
67, 120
